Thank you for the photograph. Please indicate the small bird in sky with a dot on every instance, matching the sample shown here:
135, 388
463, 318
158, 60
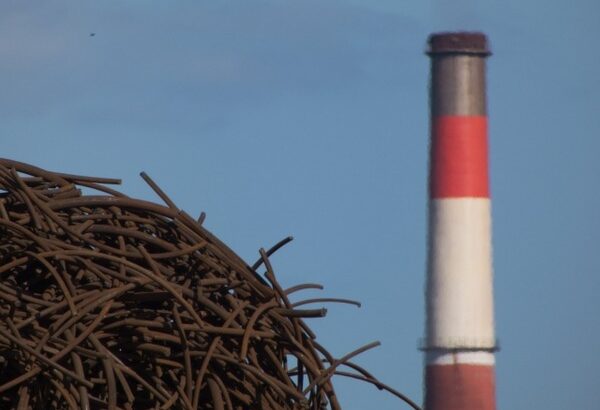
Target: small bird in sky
92, 34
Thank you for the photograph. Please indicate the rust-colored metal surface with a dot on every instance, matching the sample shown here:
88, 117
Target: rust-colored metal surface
112, 302
462, 42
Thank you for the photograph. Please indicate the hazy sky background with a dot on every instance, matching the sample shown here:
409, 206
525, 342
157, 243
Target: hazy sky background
310, 118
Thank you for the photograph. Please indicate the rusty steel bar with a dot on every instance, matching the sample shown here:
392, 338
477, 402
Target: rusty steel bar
107, 301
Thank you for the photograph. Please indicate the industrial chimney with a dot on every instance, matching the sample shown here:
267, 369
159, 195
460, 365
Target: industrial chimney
459, 342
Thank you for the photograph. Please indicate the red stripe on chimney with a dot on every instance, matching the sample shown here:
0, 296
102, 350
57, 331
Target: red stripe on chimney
460, 387
459, 157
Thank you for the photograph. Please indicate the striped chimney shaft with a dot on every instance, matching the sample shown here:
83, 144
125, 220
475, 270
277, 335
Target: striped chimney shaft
459, 343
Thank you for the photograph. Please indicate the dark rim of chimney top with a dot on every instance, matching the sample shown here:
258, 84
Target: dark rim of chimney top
462, 42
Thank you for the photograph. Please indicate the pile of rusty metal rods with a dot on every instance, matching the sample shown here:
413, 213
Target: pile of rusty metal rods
112, 302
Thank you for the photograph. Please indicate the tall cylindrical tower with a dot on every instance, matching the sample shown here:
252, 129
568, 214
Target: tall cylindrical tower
459, 342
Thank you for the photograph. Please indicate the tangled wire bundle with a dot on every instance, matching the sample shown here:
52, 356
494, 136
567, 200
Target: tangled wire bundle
112, 302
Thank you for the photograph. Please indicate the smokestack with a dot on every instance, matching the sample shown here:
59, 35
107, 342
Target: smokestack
459, 342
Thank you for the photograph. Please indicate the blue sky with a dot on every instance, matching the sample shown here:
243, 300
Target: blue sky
310, 118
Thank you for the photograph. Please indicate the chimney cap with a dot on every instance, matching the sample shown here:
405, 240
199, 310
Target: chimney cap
460, 42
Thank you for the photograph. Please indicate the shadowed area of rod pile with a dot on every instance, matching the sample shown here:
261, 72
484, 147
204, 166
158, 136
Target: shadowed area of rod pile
112, 302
